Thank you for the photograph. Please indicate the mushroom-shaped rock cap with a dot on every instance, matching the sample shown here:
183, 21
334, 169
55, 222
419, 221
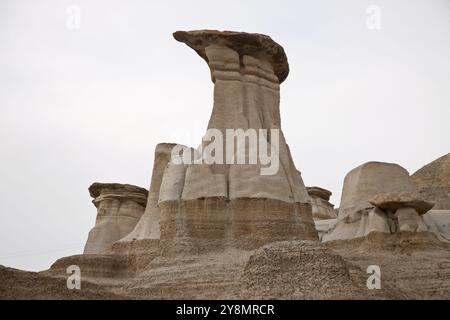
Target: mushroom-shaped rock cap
319, 192
396, 200
125, 191
252, 44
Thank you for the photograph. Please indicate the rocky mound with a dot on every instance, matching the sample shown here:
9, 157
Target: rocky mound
414, 265
18, 284
299, 270
433, 182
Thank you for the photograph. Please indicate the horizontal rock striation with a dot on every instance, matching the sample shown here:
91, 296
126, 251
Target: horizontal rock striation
206, 207
119, 208
322, 209
243, 43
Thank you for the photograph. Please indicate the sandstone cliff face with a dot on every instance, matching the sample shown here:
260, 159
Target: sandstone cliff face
433, 182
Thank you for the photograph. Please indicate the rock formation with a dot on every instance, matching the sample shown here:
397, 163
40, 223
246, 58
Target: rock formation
197, 208
321, 207
208, 230
357, 216
404, 209
145, 236
148, 226
438, 222
234, 204
119, 208
300, 268
433, 182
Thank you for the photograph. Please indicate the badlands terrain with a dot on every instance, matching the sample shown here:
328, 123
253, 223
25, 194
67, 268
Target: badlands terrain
227, 231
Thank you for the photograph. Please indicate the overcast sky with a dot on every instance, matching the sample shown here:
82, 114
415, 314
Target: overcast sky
86, 104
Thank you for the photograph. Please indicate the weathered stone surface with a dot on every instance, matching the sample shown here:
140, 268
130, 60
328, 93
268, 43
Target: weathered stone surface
25, 285
409, 220
393, 201
321, 207
97, 266
380, 197
299, 270
148, 225
212, 224
357, 217
368, 180
207, 207
324, 226
438, 222
122, 191
374, 220
319, 192
119, 208
246, 96
433, 182
245, 44
225, 232
414, 265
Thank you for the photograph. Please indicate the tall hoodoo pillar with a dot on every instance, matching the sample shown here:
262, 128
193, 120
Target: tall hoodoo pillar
226, 204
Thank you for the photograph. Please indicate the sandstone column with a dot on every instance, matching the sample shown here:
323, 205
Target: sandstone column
119, 208
223, 205
322, 209
148, 226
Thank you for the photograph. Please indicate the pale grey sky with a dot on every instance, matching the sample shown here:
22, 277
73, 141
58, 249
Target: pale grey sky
90, 104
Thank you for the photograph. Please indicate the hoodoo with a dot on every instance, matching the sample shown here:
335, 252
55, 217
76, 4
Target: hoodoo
119, 208
234, 204
232, 218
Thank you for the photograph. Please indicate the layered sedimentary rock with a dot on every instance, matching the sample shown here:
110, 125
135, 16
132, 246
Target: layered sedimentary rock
433, 182
321, 206
119, 208
148, 225
357, 216
227, 210
144, 238
25, 285
222, 204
